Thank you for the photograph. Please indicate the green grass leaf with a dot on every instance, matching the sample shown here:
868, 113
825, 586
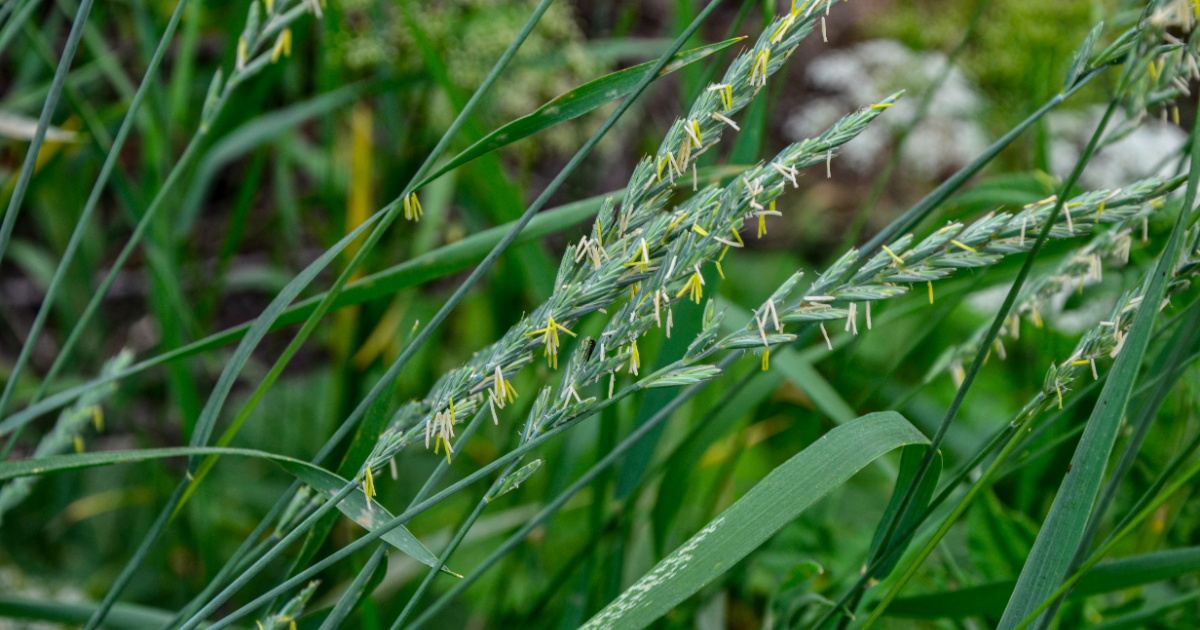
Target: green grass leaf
574, 104
122, 616
353, 506
774, 502
989, 599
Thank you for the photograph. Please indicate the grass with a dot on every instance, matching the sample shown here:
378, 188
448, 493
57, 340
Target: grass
491, 367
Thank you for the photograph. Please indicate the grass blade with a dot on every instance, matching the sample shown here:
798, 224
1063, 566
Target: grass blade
989, 600
574, 104
774, 502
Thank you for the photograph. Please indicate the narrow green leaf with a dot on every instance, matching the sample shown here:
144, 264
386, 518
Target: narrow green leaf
774, 502
988, 600
122, 616
355, 506
574, 104
910, 461
77, 461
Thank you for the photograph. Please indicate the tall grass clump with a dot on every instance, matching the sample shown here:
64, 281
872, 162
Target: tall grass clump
462, 407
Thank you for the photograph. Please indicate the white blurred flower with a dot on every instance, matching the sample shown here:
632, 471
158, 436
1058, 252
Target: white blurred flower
1144, 152
948, 138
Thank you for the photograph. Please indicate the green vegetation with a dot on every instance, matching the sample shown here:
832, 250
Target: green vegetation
527, 314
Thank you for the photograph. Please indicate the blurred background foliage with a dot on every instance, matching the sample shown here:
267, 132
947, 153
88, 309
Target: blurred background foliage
311, 147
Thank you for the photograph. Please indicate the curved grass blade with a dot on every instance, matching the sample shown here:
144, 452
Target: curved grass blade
79, 461
354, 506
369, 515
574, 104
1061, 533
777, 500
122, 617
989, 600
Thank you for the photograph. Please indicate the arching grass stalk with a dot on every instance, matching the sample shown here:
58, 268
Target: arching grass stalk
81, 225
941, 251
1085, 264
924, 257
424, 335
641, 232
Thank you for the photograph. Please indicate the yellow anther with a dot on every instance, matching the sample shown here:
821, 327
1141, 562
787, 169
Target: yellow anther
1081, 362
98, 417
283, 45
881, 105
762, 225
889, 252
78, 444
369, 481
766, 363
412, 207
699, 230
930, 283
737, 237
777, 36
677, 221
719, 270
966, 247
694, 287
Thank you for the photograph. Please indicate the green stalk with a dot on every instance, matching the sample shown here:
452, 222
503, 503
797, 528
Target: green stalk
949, 522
